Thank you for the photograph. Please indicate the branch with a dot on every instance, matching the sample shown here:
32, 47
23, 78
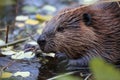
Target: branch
15, 42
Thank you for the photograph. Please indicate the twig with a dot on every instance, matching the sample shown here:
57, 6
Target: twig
9, 64
88, 76
7, 32
15, 42
31, 36
3, 68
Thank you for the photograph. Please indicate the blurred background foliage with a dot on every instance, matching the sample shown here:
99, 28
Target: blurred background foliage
6, 2
7, 11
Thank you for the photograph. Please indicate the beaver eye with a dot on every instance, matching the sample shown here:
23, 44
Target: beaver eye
87, 18
60, 29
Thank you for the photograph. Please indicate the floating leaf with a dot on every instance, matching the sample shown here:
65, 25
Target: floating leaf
19, 55
23, 74
43, 18
2, 42
8, 48
29, 54
49, 9
6, 75
30, 9
19, 24
23, 55
8, 52
104, 71
32, 22
21, 18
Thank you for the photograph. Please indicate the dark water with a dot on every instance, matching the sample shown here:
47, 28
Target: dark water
21, 65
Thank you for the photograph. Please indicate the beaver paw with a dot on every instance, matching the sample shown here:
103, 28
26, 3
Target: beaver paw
62, 61
66, 64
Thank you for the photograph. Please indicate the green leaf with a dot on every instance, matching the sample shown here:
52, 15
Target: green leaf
69, 78
66, 76
104, 71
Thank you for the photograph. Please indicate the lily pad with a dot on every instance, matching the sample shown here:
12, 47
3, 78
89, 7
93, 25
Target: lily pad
32, 22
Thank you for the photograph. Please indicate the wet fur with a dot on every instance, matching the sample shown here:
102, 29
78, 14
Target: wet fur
100, 38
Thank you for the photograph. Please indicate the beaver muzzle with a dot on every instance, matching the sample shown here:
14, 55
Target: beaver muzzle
42, 42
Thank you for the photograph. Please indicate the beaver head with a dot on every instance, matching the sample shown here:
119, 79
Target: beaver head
78, 30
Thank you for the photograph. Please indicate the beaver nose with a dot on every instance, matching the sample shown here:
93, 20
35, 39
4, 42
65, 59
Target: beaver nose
41, 41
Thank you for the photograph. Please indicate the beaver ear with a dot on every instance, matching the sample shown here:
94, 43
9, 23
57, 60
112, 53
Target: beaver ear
87, 18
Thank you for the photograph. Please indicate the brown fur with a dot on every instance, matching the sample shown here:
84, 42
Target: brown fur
100, 38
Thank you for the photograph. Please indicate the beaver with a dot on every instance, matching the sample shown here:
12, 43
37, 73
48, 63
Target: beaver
82, 33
